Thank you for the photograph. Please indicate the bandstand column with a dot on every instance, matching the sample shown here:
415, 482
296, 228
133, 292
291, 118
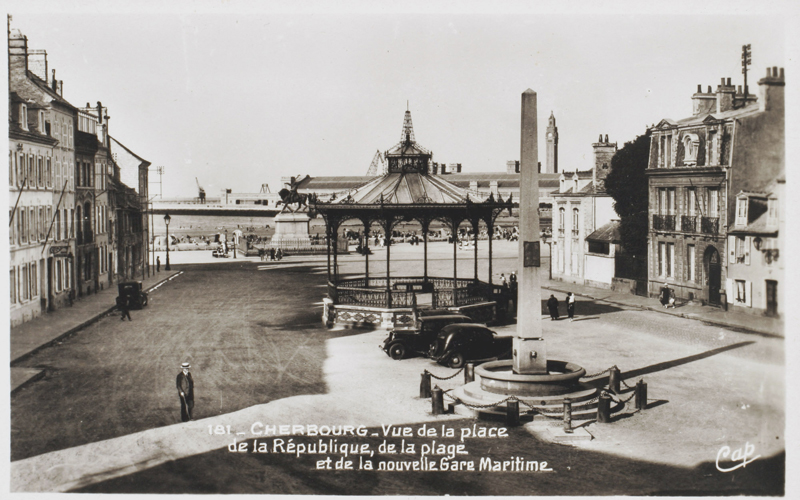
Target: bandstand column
366, 255
388, 238
475, 226
490, 229
328, 246
455, 258
425, 226
335, 233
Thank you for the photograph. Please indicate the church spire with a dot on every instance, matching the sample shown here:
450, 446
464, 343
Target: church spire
408, 128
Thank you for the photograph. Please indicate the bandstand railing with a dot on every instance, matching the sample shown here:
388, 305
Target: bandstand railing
401, 291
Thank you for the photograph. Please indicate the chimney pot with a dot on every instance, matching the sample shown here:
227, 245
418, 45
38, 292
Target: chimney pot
600, 139
769, 73
781, 74
740, 89
729, 82
775, 71
606, 141
722, 81
709, 89
699, 88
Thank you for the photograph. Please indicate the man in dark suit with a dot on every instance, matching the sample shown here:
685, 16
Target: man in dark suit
185, 386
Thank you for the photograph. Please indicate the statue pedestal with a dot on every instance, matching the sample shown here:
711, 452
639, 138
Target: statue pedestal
291, 227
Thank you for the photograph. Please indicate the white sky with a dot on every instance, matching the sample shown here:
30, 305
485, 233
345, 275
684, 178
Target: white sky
239, 94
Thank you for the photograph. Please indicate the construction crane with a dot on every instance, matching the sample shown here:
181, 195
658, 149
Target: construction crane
200, 191
377, 160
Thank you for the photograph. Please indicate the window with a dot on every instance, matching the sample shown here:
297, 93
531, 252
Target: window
575, 221
31, 171
772, 211
42, 223
23, 116
13, 285
25, 282
741, 211
69, 129
661, 253
48, 172
666, 259
665, 151
34, 280
11, 157
713, 155
713, 202
691, 201
22, 171
599, 247
691, 268
59, 264
32, 222
561, 213
41, 123
741, 291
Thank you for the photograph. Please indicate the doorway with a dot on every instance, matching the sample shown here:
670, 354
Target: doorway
772, 298
713, 275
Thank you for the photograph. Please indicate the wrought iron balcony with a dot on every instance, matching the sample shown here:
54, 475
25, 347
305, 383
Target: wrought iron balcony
664, 222
689, 223
709, 225
771, 255
575, 233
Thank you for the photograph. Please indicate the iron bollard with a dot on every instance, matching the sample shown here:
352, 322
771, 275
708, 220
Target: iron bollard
613, 379
641, 395
604, 408
512, 413
425, 385
469, 373
568, 416
437, 401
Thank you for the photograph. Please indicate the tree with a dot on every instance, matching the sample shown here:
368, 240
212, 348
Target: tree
627, 184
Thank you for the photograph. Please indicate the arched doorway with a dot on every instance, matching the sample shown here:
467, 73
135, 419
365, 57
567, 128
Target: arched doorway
713, 271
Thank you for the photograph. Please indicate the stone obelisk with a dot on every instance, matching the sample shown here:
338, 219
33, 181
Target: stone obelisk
529, 355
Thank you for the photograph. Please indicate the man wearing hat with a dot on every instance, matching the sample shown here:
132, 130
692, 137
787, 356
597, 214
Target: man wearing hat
186, 392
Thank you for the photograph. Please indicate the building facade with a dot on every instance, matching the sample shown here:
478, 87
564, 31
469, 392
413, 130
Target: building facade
580, 207
732, 143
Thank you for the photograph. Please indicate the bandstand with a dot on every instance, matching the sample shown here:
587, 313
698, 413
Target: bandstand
407, 192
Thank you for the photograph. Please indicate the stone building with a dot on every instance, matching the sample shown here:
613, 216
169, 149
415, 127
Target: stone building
581, 207
129, 225
41, 186
731, 148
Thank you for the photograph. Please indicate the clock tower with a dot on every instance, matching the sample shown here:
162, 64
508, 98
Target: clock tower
552, 146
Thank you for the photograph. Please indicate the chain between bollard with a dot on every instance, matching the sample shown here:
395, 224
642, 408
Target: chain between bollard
593, 375
445, 378
626, 385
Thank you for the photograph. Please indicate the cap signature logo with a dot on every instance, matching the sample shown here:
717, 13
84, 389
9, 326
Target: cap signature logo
742, 455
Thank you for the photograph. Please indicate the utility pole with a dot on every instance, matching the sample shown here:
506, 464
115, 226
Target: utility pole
746, 61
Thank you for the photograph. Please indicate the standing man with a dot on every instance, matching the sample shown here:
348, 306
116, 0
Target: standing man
158, 264
185, 386
122, 304
571, 305
552, 306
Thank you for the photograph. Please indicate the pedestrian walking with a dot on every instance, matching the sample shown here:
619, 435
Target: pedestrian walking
571, 305
664, 295
503, 281
185, 386
271, 253
278, 254
552, 306
124, 307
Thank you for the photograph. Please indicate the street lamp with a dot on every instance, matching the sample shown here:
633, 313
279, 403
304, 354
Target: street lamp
167, 218
545, 237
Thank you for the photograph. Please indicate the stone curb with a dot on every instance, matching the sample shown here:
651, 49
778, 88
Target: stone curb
92, 319
747, 329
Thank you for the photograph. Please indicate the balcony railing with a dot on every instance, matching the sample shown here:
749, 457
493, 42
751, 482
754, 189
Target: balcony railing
689, 223
664, 222
709, 225
575, 233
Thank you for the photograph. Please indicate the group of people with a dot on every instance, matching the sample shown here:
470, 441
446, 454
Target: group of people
270, 253
552, 306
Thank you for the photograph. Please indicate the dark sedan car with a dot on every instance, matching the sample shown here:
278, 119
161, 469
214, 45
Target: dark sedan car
461, 343
401, 343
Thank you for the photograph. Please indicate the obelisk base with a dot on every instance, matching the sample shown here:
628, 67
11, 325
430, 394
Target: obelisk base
530, 356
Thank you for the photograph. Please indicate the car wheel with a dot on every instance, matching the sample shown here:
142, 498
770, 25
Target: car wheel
397, 351
455, 360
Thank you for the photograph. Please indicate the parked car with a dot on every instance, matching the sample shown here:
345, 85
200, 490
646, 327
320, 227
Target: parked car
219, 253
133, 293
458, 344
401, 343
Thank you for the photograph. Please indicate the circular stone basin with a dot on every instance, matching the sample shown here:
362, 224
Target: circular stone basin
498, 377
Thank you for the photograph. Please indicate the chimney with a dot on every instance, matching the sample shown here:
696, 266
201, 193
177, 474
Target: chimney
473, 185
54, 82
703, 103
770, 89
458, 168
17, 55
725, 94
493, 188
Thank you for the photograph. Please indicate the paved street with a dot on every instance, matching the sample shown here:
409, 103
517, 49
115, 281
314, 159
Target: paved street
253, 335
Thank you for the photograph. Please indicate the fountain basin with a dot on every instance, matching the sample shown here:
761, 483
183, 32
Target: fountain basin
497, 377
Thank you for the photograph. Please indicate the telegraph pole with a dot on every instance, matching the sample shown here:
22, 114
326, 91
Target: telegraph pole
746, 61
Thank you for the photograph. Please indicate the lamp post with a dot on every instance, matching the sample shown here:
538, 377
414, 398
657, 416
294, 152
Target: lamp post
167, 218
545, 237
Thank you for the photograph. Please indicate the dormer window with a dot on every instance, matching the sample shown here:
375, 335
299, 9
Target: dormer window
772, 211
691, 143
23, 116
741, 211
42, 129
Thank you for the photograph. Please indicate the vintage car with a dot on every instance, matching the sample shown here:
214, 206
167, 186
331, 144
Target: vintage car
459, 344
132, 293
401, 343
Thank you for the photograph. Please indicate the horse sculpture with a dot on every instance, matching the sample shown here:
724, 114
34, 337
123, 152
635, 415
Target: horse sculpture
291, 196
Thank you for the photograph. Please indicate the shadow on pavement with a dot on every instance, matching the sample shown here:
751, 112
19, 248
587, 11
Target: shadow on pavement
681, 361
